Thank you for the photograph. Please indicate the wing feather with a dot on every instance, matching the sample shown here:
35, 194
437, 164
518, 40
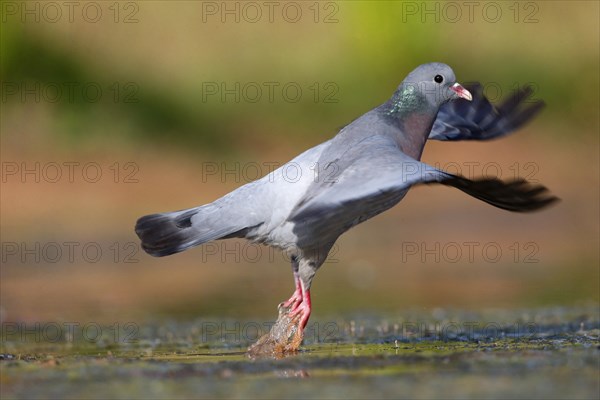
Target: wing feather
480, 120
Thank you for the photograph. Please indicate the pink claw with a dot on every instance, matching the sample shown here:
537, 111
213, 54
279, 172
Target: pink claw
303, 308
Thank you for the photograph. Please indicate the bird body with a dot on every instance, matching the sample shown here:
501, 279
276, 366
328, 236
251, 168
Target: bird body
368, 167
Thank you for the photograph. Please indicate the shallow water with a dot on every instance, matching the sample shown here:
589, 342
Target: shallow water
549, 353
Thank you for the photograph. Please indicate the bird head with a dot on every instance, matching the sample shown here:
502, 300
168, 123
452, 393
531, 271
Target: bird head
434, 83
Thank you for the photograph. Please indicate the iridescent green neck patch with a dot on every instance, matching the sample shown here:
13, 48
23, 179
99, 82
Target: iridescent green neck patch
407, 99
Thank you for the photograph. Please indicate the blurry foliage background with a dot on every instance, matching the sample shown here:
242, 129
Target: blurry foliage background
172, 131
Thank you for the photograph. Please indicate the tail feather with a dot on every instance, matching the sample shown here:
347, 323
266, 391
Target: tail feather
170, 233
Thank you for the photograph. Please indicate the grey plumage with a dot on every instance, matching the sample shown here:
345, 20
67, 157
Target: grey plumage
364, 170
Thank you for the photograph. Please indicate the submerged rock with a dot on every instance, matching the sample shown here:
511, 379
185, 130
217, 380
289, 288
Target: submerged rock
282, 340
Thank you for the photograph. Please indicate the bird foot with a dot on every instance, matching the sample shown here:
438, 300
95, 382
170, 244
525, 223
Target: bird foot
301, 311
293, 302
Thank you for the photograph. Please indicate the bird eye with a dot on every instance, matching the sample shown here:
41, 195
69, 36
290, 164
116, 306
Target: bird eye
438, 79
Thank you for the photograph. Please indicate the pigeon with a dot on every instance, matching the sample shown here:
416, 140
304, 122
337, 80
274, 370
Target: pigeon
305, 205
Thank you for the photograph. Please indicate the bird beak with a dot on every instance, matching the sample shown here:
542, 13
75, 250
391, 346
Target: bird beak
461, 91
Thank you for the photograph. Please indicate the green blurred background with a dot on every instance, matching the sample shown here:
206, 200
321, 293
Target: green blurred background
154, 62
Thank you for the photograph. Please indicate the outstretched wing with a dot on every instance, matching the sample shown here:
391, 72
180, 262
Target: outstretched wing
480, 120
379, 177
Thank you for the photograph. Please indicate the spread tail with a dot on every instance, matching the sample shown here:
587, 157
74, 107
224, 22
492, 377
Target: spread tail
173, 232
